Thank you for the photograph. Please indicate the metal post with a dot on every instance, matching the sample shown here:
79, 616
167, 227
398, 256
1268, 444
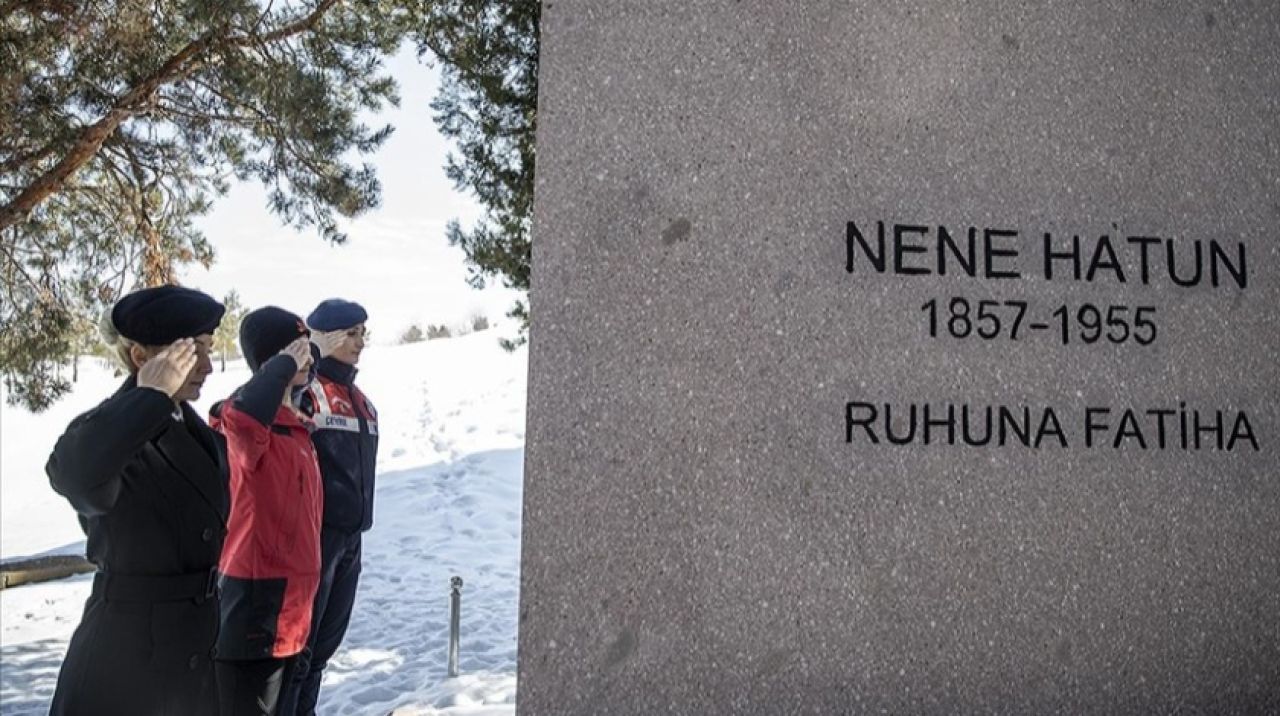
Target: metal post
455, 618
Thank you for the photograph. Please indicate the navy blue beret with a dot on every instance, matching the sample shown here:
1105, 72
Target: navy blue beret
161, 315
336, 314
267, 331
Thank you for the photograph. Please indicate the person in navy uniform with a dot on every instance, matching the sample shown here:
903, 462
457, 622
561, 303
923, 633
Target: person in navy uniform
148, 478
346, 440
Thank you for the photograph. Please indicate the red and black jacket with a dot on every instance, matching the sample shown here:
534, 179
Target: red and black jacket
270, 566
346, 440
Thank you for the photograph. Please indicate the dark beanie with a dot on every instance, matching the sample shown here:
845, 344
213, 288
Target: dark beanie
267, 331
161, 315
336, 314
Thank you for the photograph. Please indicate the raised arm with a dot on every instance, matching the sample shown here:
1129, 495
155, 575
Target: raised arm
247, 422
88, 461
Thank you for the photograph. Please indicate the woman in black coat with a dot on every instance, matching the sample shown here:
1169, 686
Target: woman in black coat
148, 478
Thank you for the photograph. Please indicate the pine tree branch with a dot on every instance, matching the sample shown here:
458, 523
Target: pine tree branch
181, 65
177, 111
15, 162
36, 6
289, 30
91, 138
234, 103
19, 268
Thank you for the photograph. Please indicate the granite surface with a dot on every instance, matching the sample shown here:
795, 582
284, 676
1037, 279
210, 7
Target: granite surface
717, 517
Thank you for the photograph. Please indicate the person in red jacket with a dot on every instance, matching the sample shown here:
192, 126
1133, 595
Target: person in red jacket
270, 564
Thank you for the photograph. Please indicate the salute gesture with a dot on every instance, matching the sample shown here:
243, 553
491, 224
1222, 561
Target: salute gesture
300, 352
270, 565
328, 341
167, 371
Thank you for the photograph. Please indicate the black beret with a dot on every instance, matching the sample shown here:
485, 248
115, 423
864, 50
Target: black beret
267, 331
336, 314
161, 315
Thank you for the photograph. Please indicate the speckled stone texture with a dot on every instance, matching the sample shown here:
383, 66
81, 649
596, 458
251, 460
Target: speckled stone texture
699, 537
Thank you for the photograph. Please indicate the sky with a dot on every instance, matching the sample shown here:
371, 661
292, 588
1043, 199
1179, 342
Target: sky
396, 261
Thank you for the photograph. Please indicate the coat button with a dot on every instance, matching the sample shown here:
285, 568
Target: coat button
213, 653
207, 535
194, 662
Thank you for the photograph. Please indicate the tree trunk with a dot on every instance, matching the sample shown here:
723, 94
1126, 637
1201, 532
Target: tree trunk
157, 267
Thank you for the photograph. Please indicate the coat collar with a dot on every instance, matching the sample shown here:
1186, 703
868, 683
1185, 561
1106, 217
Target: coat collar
286, 419
337, 371
191, 448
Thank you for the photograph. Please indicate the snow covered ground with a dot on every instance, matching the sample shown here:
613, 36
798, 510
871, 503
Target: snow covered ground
450, 467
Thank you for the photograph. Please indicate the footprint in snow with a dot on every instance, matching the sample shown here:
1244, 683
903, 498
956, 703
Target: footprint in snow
373, 695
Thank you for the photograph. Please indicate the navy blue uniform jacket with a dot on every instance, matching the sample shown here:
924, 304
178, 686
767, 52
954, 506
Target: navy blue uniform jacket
346, 440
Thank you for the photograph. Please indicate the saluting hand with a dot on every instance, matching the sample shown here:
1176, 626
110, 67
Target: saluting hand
167, 370
328, 341
299, 351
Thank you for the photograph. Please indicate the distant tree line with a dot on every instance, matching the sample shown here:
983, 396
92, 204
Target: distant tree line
416, 334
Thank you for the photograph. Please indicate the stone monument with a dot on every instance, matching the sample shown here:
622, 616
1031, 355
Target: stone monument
908, 357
